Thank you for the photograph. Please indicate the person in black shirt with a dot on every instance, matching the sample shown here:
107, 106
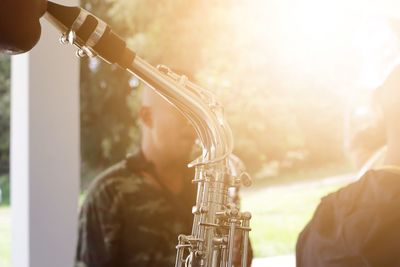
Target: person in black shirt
359, 224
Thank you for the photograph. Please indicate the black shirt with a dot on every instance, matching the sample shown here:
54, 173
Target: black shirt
359, 225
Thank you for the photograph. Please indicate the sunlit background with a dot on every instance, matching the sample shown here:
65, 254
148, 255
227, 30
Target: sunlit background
295, 77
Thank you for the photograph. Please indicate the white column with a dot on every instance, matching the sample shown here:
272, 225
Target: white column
45, 153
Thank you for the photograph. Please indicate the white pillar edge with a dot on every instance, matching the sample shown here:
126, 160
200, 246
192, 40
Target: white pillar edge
45, 153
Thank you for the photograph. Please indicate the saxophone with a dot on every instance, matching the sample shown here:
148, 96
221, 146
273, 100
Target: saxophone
217, 219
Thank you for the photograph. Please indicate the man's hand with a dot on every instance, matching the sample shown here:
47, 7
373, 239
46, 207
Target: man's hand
19, 24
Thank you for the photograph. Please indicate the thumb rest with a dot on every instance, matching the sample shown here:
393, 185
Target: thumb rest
218, 173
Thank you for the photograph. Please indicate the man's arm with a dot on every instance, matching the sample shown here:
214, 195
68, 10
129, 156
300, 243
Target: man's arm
19, 24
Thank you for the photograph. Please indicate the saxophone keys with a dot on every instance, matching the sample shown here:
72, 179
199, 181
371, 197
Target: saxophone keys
84, 51
163, 69
71, 37
80, 53
246, 179
68, 38
63, 39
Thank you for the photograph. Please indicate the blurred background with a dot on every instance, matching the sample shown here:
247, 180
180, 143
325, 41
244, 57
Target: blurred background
295, 78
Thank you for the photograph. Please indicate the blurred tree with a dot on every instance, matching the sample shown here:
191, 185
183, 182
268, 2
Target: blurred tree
108, 110
4, 126
273, 107
4, 113
107, 120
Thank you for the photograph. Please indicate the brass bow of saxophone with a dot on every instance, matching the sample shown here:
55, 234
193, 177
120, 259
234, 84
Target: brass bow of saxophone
217, 219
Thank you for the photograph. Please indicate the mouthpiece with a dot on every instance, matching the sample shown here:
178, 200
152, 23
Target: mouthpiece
90, 34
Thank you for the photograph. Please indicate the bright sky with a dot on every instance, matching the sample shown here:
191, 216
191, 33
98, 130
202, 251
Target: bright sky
316, 37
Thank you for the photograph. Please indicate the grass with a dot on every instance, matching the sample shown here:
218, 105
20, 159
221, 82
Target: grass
5, 236
279, 214
304, 174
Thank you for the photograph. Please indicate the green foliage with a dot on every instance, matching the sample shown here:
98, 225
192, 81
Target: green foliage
273, 108
5, 189
4, 113
108, 103
4, 127
108, 108
106, 118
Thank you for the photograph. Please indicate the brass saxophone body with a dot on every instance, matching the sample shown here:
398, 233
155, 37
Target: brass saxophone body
217, 218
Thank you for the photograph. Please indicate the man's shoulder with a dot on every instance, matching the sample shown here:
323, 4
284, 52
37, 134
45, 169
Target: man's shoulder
133, 164
110, 177
356, 217
372, 186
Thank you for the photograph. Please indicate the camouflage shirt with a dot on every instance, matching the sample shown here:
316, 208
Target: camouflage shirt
127, 221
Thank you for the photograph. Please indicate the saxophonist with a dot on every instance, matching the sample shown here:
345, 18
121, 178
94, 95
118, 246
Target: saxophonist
135, 210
